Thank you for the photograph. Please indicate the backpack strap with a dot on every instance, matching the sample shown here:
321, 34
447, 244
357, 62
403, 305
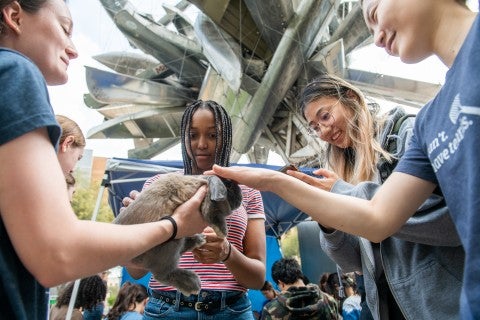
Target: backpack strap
393, 142
392, 139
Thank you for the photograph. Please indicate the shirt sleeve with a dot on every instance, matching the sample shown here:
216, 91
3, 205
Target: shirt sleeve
24, 99
415, 161
253, 203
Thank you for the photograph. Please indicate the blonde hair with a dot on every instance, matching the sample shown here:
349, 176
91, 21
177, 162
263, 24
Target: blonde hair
71, 128
358, 162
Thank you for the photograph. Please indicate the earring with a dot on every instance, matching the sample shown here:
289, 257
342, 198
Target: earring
64, 149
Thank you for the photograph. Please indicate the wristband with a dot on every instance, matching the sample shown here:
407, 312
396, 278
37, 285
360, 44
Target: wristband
229, 252
174, 224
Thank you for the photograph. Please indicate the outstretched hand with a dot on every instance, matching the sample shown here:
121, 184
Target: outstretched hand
257, 178
326, 178
188, 215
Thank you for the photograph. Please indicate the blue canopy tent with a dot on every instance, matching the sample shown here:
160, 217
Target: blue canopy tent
123, 175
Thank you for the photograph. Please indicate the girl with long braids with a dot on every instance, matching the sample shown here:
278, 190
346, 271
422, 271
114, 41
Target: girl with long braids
91, 291
227, 267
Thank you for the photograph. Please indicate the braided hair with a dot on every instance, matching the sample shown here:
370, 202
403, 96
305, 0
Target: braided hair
223, 127
91, 291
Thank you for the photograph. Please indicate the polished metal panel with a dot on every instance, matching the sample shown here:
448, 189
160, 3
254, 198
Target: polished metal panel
253, 57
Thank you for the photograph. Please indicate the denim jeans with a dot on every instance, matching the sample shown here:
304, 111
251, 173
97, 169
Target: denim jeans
159, 309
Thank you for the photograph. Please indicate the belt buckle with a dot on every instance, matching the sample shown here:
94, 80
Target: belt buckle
198, 306
202, 306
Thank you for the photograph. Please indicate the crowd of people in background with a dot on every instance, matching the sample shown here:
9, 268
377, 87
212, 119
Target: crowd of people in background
418, 199
91, 291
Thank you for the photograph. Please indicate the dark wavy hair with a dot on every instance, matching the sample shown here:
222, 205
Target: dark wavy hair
129, 295
91, 291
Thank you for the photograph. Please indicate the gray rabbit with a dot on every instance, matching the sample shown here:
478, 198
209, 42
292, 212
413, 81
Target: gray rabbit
160, 199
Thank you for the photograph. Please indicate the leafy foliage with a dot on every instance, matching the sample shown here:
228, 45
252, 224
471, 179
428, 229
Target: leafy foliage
289, 243
85, 199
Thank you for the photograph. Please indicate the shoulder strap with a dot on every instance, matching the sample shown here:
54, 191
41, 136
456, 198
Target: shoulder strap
394, 144
392, 138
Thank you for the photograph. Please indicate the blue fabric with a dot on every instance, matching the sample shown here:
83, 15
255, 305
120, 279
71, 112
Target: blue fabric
94, 314
24, 106
127, 277
280, 215
158, 309
273, 254
24, 99
445, 150
131, 315
351, 308
431, 260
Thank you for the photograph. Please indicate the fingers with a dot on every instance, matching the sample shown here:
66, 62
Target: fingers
199, 195
188, 216
205, 256
208, 231
325, 173
130, 199
134, 194
212, 238
127, 201
301, 176
211, 252
220, 171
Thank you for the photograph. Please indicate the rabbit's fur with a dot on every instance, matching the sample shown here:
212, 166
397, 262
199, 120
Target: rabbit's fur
161, 198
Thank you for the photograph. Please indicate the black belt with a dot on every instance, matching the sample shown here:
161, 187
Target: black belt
207, 306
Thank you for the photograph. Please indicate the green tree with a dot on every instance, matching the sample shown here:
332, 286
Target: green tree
289, 244
85, 199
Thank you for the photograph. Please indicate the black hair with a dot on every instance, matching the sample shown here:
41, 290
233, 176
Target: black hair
333, 281
129, 295
91, 291
286, 270
267, 286
223, 127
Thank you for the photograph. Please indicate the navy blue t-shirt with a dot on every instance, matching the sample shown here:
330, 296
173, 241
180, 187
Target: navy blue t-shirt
24, 107
445, 150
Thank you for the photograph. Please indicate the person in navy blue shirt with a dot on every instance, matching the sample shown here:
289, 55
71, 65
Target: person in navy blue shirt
443, 152
42, 243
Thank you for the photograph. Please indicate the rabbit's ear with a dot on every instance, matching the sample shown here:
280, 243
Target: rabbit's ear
218, 191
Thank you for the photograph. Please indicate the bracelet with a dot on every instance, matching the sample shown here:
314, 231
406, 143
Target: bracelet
174, 224
229, 252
